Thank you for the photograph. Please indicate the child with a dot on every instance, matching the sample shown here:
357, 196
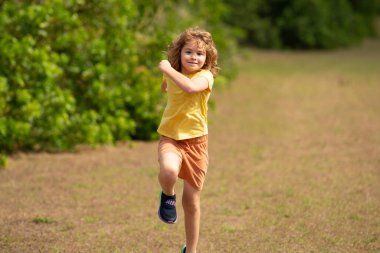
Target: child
183, 147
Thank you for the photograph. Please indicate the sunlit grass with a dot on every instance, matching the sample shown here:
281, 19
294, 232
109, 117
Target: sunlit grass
294, 158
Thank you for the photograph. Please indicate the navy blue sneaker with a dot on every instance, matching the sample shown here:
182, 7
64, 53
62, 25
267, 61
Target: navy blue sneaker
183, 249
167, 211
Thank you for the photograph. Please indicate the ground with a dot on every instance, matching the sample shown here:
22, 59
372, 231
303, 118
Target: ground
294, 167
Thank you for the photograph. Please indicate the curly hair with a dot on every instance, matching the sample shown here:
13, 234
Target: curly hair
203, 40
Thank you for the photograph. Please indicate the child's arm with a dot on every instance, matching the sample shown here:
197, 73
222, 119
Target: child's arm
186, 84
164, 86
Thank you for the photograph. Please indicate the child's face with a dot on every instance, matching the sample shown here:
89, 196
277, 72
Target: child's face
193, 57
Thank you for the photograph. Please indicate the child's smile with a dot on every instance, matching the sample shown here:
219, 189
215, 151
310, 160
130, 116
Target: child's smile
193, 58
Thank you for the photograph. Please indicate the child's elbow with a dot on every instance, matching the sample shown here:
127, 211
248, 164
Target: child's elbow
191, 90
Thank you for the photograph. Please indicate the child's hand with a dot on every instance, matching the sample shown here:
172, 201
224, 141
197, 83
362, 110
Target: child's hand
164, 66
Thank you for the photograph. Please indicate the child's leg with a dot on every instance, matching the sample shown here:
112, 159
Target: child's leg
191, 205
170, 164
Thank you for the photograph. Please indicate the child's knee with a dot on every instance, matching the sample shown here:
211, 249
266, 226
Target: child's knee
169, 171
191, 205
170, 163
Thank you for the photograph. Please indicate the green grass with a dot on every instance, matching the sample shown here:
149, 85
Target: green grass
42, 220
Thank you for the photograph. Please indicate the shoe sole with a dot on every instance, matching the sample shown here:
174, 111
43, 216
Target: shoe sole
167, 222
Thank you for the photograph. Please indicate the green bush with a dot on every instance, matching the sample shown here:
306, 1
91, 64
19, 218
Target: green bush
66, 73
85, 72
303, 23
366, 11
319, 24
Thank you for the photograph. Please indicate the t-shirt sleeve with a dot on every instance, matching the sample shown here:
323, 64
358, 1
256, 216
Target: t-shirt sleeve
210, 78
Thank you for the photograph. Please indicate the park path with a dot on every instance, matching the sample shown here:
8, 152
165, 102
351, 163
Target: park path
294, 167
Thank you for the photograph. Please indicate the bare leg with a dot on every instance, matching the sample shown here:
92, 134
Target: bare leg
191, 205
169, 169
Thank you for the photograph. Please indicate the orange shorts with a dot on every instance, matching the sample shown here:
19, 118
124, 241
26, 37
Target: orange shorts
194, 157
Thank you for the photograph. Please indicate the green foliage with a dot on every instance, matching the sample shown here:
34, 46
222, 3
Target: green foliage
303, 23
86, 72
319, 24
366, 11
3, 161
65, 73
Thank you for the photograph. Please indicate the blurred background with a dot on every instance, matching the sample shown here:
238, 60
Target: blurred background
84, 72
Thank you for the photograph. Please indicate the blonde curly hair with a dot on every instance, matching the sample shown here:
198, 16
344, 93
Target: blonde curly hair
203, 40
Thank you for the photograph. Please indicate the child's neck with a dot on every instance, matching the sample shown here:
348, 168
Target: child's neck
190, 74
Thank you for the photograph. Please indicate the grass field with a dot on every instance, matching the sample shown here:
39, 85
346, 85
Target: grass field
295, 167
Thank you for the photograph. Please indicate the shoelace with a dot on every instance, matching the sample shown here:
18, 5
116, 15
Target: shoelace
170, 202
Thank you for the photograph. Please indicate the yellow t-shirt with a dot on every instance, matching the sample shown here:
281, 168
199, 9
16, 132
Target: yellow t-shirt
185, 115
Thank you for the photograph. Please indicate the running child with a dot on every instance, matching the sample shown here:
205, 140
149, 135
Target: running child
183, 147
